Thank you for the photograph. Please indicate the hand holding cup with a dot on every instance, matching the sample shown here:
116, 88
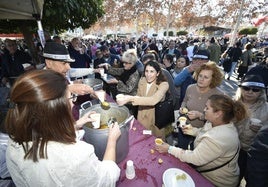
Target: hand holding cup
183, 110
96, 117
255, 124
102, 72
182, 121
114, 132
188, 129
122, 99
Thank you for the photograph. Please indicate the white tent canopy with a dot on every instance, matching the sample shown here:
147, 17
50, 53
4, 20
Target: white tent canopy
21, 9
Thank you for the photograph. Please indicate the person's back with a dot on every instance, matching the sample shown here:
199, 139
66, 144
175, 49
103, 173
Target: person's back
257, 160
39, 151
261, 70
190, 50
235, 54
214, 50
246, 61
57, 170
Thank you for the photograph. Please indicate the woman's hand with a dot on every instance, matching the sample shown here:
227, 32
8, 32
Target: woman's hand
104, 65
193, 114
114, 132
84, 119
163, 148
255, 128
112, 81
123, 99
187, 129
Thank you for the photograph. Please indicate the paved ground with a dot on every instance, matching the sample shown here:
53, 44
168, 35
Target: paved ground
230, 86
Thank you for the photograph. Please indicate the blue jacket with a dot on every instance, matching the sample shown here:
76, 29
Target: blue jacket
183, 79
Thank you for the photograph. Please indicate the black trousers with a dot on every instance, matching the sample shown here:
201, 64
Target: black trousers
185, 141
242, 163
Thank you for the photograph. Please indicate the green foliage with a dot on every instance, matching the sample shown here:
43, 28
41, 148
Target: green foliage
179, 33
64, 14
249, 30
60, 15
170, 33
110, 36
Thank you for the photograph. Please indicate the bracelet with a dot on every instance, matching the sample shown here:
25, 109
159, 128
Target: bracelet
170, 149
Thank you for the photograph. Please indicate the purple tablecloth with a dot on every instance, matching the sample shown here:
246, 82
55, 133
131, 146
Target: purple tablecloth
148, 171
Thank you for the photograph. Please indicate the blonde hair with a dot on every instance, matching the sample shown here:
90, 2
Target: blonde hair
130, 56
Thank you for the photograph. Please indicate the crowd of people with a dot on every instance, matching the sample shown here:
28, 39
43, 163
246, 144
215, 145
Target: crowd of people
220, 139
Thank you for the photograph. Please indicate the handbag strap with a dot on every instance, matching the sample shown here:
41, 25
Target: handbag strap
212, 169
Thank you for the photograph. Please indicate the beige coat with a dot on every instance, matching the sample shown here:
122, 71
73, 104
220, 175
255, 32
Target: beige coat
146, 112
213, 147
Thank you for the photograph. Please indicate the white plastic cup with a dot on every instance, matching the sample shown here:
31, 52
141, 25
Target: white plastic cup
255, 121
105, 76
118, 96
182, 121
101, 95
130, 171
102, 72
96, 117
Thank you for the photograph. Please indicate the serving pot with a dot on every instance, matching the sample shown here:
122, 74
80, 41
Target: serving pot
96, 84
98, 137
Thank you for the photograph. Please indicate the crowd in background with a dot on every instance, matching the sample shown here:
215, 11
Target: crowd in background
187, 68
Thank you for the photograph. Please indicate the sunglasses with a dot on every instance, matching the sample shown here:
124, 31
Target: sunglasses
253, 89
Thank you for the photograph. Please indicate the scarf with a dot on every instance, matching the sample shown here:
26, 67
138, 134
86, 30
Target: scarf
127, 73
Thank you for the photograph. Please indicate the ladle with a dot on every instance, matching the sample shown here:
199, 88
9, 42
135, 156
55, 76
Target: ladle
101, 96
105, 105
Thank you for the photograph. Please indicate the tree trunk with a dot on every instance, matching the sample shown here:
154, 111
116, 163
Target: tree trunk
28, 36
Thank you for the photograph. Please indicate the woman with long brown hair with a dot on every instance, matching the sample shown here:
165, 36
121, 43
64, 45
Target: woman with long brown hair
42, 149
152, 89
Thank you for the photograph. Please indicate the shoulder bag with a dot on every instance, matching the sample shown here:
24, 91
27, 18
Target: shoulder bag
164, 112
212, 169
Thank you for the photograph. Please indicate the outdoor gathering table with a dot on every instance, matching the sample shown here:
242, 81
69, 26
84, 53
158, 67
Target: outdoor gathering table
148, 171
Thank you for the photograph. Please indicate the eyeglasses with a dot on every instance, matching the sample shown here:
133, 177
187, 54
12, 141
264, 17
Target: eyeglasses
73, 97
253, 89
127, 63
